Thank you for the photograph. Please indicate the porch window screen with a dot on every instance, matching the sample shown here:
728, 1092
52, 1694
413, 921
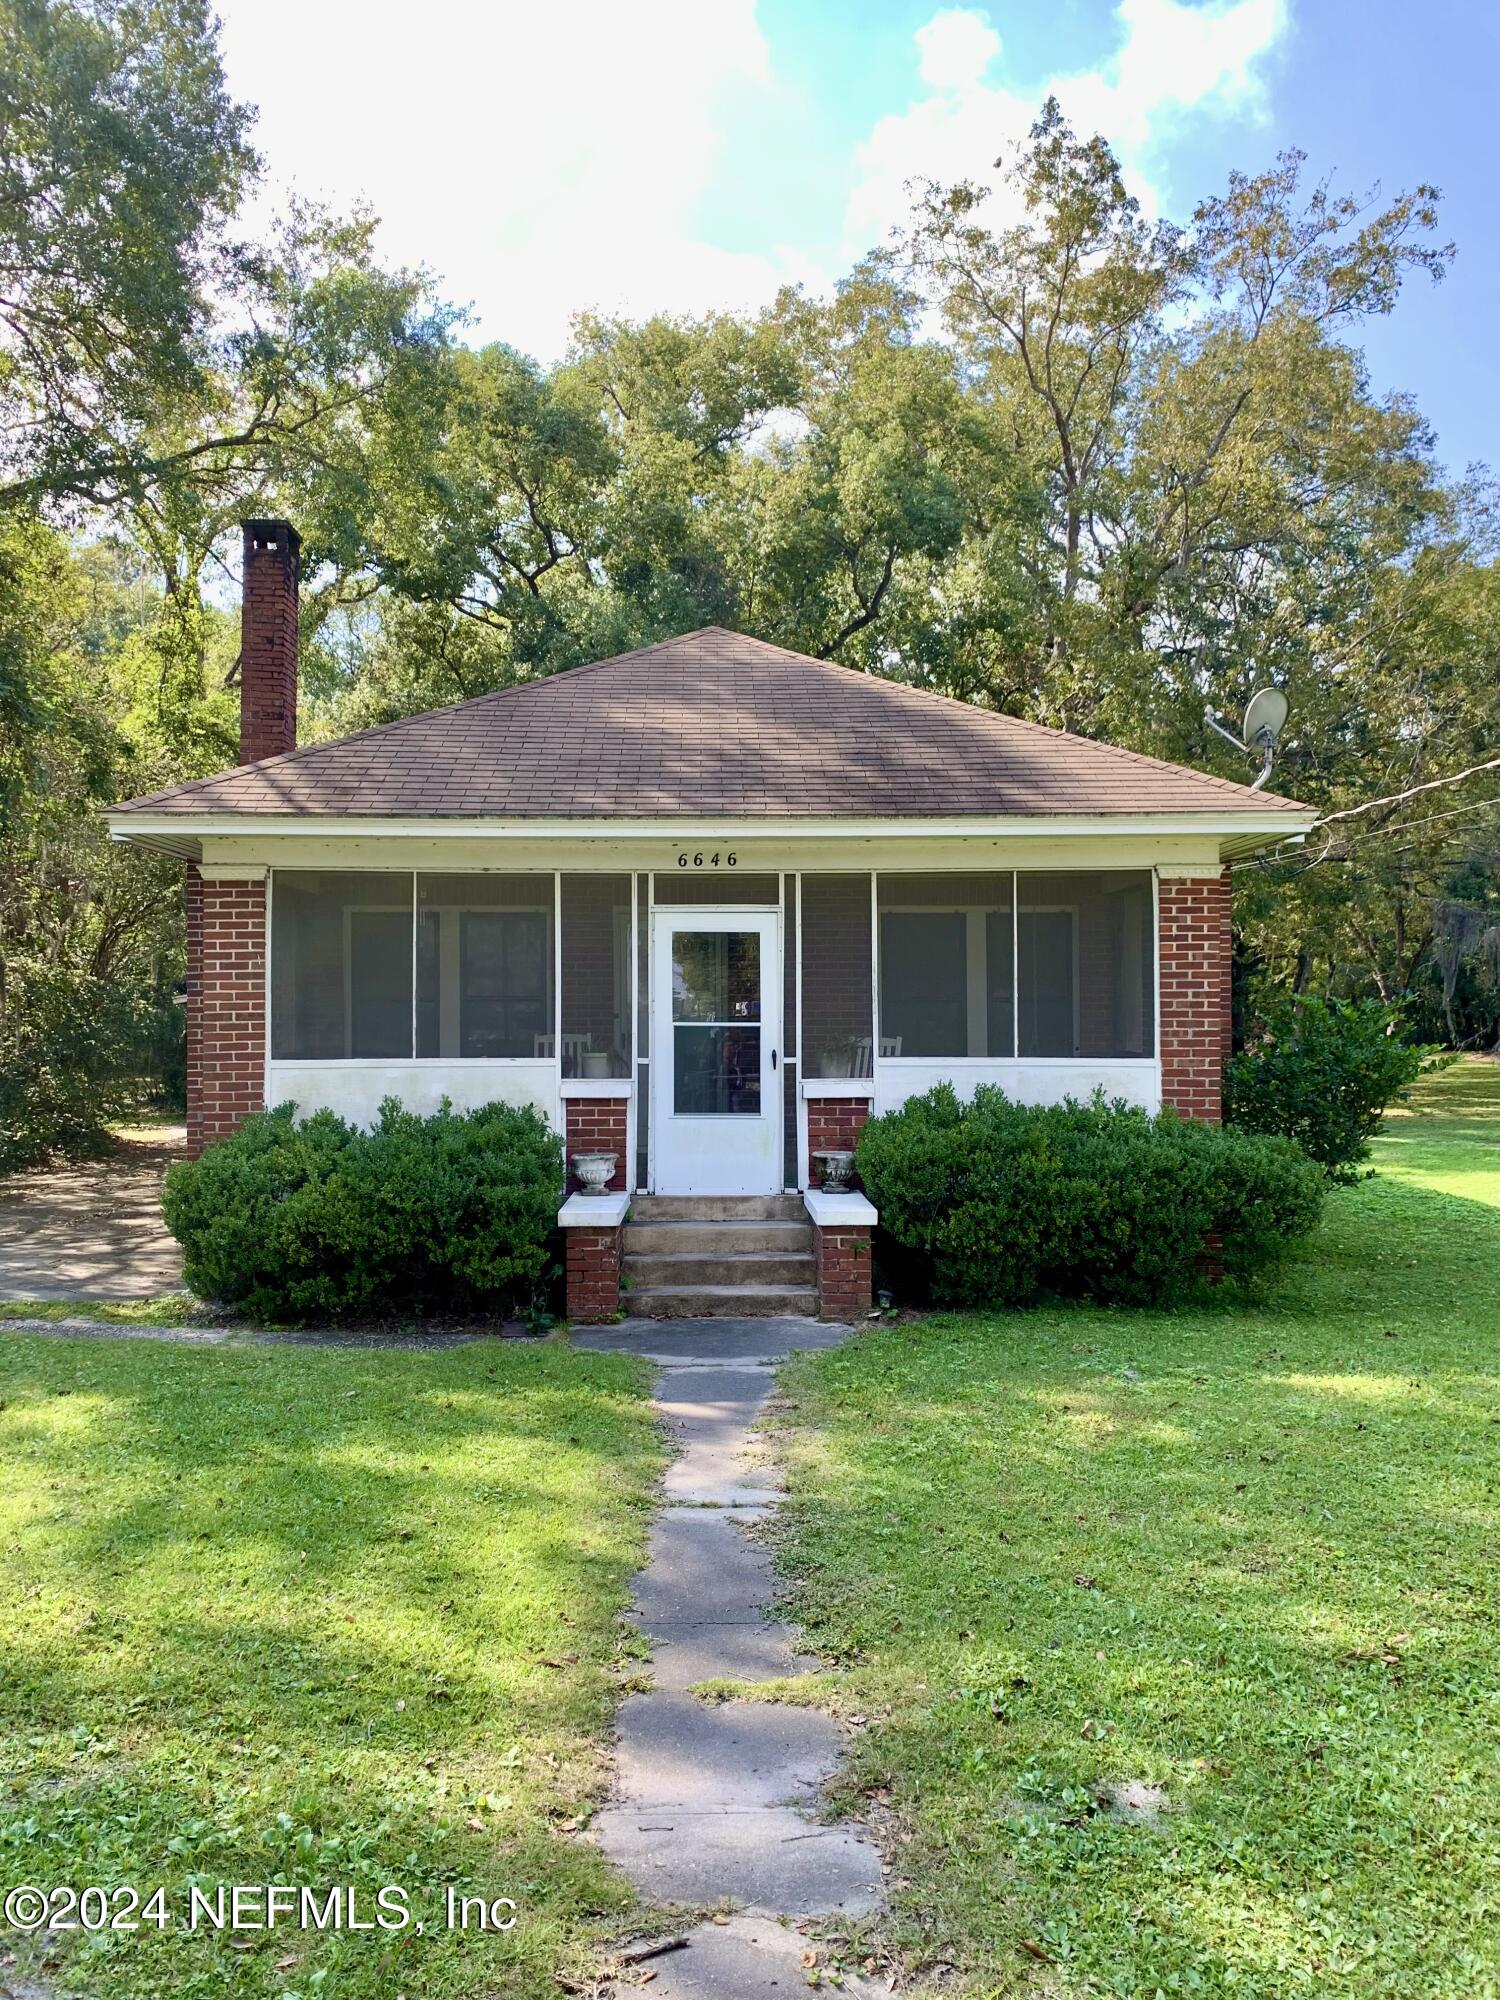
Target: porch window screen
340, 965
706, 887
597, 975
947, 985
484, 966
1085, 964
837, 994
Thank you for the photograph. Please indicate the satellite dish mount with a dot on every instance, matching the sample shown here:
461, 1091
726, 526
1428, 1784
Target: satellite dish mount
1265, 718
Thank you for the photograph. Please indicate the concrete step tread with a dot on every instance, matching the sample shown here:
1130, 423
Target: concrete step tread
715, 1301
717, 1207
753, 1258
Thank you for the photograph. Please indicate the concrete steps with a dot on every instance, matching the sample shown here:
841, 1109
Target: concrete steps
701, 1256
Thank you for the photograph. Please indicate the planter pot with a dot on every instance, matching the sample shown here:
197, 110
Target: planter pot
595, 1063
595, 1171
838, 1171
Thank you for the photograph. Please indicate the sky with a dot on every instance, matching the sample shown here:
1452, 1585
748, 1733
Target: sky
633, 156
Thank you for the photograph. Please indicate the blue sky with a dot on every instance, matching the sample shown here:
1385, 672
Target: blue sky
634, 154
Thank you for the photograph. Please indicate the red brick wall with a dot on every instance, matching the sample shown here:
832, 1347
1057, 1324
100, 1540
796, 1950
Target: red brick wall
844, 1272
593, 1257
226, 1006
1193, 1009
833, 1126
268, 641
597, 1125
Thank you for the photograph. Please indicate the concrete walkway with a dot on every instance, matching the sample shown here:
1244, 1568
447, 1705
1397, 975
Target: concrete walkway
714, 1801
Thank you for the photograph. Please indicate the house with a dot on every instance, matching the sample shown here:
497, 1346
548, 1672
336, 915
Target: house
707, 906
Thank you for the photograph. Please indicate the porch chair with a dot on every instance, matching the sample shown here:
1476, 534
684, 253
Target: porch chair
575, 1047
890, 1045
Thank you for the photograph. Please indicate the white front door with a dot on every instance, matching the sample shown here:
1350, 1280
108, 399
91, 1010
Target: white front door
716, 1052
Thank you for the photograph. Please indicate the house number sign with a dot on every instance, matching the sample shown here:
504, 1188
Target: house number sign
701, 857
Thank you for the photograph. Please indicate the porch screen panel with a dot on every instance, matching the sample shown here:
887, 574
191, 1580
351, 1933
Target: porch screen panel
598, 978
1085, 964
789, 1051
710, 886
340, 965
484, 966
837, 991
643, 1030
946, 980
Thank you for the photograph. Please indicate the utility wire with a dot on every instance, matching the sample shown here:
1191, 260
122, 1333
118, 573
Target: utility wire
1399, 798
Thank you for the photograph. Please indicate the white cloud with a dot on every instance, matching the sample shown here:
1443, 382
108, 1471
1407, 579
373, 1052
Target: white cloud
1174, 61
539, 159
546, 159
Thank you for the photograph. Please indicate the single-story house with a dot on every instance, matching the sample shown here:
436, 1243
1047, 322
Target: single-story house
707, 905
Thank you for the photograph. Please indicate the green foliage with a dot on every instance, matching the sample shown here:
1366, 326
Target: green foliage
1236, 1553
1321, 1072
1002, 1204
321, 1220
66, 1047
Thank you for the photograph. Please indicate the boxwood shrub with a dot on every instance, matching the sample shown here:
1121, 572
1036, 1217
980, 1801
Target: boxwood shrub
991, 1203
318, 1219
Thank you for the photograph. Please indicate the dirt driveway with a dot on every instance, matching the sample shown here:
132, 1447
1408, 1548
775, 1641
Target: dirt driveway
92, 1231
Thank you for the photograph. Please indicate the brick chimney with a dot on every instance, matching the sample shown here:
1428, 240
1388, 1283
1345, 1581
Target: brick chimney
268, 640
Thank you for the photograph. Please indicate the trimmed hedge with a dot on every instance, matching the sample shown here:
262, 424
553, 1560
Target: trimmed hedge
321, 1220
992, 1203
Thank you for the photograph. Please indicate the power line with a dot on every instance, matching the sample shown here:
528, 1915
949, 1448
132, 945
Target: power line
1380, 833
1398, 798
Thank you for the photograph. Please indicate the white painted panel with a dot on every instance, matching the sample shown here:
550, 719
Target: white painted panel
355, 1089
1138, 1082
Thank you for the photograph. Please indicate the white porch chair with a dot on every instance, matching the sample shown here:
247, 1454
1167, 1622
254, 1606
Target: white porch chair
575, 1047
890, 1045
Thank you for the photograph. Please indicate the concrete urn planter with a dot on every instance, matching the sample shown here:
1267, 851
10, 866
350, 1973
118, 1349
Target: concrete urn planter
595, 1171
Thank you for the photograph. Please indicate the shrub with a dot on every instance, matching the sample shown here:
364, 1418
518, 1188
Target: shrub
318, 1219
994, 1203
1322, 1072
65, 1053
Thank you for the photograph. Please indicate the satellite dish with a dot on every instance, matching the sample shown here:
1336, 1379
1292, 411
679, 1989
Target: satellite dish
1265, 718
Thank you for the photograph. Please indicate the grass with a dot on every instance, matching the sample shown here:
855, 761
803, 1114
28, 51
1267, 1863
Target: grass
166, 1309
277, 1615
1244, 1555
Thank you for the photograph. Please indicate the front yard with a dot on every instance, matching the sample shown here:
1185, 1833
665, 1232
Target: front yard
1177, 1633
293, 1615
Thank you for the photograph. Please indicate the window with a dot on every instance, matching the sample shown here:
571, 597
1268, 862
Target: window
837, 1003
484, 966
597, 975
945, 965
1030, 965
340, 965
1085, 964
365, 965
715, 1023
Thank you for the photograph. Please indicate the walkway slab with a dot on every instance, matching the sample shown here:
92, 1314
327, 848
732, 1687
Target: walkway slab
704, 1570
763, 1342
774, 1861
675, 1750
745, 1958
683, 1655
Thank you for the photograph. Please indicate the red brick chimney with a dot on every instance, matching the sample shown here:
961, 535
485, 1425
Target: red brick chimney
268, 640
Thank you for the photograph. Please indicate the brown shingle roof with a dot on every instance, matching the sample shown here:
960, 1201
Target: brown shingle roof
713, 723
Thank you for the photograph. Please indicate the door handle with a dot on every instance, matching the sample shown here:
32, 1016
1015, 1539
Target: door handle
773, 1059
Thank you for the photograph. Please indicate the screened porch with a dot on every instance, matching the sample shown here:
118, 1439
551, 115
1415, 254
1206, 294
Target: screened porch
751, 995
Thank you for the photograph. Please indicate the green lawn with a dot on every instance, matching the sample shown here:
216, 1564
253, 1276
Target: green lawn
288, 1615
1246, 1554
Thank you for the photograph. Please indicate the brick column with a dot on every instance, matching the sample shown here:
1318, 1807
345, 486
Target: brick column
226, 1006
598, 1125
593, 1226
833, 1126
1193, 1024
843, 1231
